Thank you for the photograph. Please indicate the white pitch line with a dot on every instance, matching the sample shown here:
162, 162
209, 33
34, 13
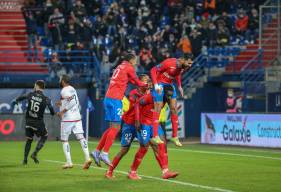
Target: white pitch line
156, 178
216, 153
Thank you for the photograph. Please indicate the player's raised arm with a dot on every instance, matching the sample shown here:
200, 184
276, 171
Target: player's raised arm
21, 98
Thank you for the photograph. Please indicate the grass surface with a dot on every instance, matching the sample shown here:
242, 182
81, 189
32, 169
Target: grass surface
201, 167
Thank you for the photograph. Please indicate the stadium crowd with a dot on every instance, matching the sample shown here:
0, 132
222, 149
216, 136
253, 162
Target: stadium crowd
153, 29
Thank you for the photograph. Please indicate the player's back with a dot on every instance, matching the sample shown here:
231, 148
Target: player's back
169, 71
69, 97
37, 103
119, 81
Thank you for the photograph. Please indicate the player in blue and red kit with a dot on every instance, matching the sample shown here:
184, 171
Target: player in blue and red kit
144, 115
162, 75
124, 73
129, 131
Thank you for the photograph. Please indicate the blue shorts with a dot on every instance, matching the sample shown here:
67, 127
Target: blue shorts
158, 97
146, 134
128, 134
113, 109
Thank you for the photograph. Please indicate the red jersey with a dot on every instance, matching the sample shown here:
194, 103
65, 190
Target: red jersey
167, 72
129, 116
144, 109
123, 74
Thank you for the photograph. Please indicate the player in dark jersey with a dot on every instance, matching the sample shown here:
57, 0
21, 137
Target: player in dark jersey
37, 103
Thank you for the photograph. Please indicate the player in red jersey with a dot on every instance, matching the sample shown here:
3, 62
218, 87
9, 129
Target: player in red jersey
163, 75
129, 131
124, 73
144, 115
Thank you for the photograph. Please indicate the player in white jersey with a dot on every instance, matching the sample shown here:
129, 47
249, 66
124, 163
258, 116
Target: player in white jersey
71, 122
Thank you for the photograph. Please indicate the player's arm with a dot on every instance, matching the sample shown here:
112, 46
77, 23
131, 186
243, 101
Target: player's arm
20, 98
71, 102
154, 71
133, 78
50, 106
178, 80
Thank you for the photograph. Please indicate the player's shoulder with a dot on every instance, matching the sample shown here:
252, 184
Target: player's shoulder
169, 61
133, 92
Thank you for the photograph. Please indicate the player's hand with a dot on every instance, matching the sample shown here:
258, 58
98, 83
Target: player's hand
158, 88
60, 114
137, 125
58, 103
181, 91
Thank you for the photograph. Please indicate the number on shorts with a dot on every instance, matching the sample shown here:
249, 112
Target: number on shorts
144, 133
119, 111
128, 136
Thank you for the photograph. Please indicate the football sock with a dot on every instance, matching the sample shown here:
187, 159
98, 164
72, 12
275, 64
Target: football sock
115, 162
138, 158
66, 150
27, 148
40, 144
158, 159
155, 123
175, 121
102, 140
85, 149
163, 156
110, 139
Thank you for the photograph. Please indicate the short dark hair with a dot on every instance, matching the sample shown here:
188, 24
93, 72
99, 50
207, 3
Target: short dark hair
129, 56
141, 76
40, 84
65, 79
187, 56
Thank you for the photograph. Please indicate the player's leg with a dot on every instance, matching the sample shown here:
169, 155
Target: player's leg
65, 132
144, 137
127, 136
113, 112
43, 134
78, 131
29, 138
174, 119
158, 105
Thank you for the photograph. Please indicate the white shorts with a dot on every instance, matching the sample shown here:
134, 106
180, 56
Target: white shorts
68, 127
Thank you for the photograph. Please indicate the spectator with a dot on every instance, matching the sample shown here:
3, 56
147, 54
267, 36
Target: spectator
223, 35
253, 29
55, 24
210, 6
146, 59
212, 35
79, 10
31, 29
196, 42
184, 45
72, 31
241, 24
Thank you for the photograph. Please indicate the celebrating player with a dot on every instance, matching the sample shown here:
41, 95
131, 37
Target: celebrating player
37, 102
71, 122
128, 128
144, 110
163, 75
124, 73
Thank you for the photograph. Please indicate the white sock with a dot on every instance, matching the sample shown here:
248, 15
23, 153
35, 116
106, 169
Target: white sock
66, 150
85, 149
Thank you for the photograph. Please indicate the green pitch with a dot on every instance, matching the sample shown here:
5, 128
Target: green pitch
201, 167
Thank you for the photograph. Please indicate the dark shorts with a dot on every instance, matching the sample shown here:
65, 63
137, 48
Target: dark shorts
35, 128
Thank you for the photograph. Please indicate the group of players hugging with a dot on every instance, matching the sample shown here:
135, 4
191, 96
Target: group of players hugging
139, 121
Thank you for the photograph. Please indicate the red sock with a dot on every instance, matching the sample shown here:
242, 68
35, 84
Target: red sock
155, 123
115, 162
158, 160
138, 158
102, 140
110, 139
163, 156
175, 124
